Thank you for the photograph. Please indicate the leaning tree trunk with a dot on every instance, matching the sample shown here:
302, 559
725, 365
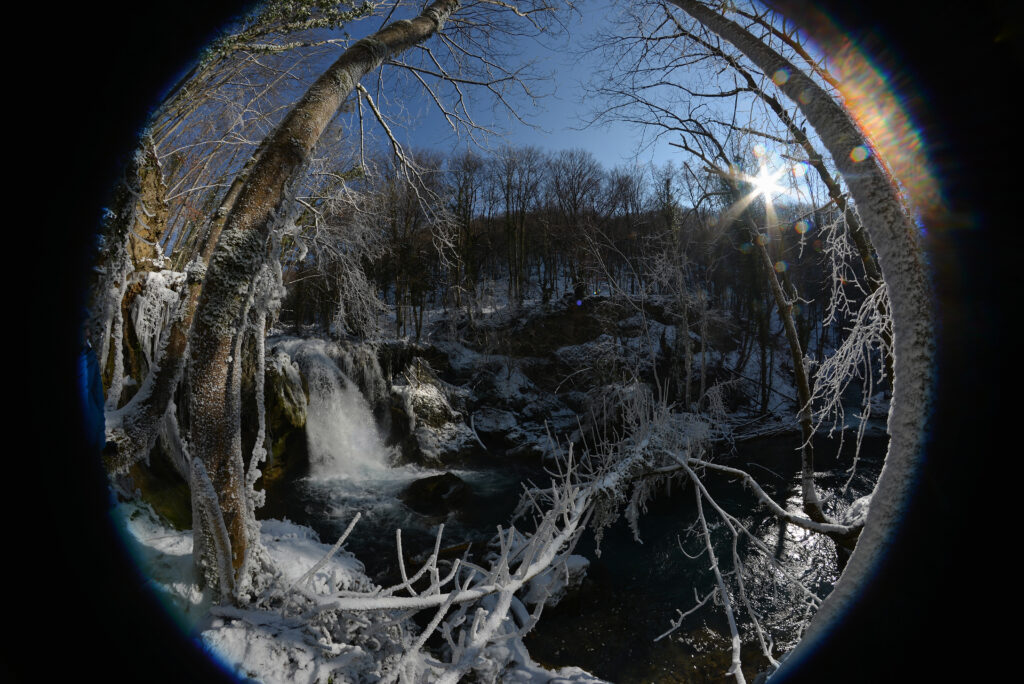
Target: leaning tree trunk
213, 342
895, 238
135, 430
857, 233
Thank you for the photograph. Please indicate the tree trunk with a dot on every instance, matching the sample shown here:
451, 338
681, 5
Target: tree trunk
895, 238
857, 233
214, 402
812, 502
136, 430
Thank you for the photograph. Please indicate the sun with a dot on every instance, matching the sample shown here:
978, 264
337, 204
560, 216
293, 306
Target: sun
766, 183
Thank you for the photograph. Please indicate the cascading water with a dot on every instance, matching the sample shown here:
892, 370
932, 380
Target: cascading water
350, 469
349, 465
341, 433
342, 436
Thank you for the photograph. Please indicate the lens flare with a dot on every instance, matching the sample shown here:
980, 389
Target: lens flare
767, 183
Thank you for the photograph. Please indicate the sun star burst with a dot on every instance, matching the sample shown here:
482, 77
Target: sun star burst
766, 183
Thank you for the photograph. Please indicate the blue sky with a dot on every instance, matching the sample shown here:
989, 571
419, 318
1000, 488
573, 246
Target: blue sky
560, 116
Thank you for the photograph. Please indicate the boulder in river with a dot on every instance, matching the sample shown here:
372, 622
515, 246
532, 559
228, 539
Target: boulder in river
437, 494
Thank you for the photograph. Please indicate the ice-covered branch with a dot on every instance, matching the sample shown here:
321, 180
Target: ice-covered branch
806, 523
735, 670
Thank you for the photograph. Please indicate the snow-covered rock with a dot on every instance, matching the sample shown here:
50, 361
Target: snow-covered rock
286, 397
493, 421
434, 432
857, 513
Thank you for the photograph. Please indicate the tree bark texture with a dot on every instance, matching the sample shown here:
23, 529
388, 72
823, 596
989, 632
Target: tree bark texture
894, 235
227, 288
141, 417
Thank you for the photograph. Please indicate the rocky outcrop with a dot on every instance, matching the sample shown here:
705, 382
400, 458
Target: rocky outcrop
425, 426
287, 399
494, 423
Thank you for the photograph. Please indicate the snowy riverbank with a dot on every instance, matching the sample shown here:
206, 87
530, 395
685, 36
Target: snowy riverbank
258, 644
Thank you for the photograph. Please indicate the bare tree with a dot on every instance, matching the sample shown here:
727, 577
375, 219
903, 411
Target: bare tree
575, 179
895, 237
188, 172
225, 259
517, 173
708, 122
466, 179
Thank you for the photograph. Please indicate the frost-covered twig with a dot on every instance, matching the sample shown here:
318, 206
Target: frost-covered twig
735, 670
486, 591
334, 549
776, 509
677, 623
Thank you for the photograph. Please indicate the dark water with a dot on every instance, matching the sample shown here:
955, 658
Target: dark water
329, 505
632, 590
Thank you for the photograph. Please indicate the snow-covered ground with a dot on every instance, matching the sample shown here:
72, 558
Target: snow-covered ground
262, 645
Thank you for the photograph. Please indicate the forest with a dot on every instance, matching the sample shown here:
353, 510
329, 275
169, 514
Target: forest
377, 409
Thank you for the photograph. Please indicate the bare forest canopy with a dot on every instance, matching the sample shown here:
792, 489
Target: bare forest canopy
775, 270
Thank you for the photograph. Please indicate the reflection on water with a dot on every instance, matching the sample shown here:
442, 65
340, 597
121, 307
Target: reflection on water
633, 591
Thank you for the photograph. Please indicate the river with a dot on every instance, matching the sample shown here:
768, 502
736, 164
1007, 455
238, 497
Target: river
632, 591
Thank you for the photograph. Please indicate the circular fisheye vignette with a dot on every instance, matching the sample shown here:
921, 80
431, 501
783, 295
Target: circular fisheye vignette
881, 111
877, 109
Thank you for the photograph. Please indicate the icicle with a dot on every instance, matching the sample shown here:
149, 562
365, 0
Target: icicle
211, 534
170, 438
117, 334
153, 310
110, 292
266, 296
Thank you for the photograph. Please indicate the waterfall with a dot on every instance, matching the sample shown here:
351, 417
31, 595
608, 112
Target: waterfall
341, 432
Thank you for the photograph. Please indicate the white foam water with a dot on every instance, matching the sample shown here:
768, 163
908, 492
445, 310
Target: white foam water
341, 432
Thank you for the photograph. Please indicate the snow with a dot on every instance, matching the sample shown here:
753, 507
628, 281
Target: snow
464, 360
295, 548
165, 555
258, 646
268, 647
154, 307
857, 513
509, 662
493, 420
266, 653
437, 427
513, 386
